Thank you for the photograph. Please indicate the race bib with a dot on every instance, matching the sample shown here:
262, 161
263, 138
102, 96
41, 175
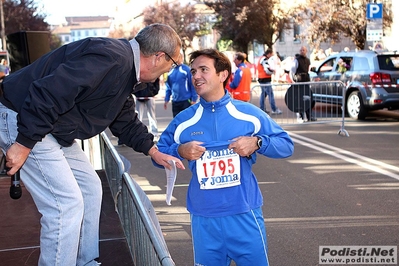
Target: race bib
218, 169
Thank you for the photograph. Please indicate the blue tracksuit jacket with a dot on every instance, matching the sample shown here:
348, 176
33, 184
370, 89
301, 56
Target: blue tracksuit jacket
222, 182
179, 85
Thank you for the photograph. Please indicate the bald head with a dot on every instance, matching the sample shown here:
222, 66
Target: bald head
303, 51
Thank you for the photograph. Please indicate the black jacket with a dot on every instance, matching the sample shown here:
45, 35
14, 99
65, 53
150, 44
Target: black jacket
76, 92
302, 74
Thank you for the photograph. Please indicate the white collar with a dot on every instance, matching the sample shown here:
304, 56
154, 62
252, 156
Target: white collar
136, 53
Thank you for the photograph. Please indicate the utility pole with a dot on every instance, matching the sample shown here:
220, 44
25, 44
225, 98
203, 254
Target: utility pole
3, 37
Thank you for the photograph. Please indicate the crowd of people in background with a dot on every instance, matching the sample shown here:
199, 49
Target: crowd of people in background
270, 68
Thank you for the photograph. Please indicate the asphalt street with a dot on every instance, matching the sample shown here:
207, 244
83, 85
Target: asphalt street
335, 190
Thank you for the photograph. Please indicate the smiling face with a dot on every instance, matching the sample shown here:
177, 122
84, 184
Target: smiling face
208, 83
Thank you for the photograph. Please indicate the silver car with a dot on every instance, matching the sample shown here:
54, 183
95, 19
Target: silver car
371, 81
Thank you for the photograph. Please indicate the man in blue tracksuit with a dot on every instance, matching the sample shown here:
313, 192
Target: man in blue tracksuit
221, 137
179, 86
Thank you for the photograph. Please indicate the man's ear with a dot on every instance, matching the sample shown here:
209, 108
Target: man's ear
157, 59
224, 75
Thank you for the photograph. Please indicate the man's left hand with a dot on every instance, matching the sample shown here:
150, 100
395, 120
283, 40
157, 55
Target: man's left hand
244, 146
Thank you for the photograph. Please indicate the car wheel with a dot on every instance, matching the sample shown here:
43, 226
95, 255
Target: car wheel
355, 107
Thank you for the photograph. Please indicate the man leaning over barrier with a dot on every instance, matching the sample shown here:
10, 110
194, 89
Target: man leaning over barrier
76, 92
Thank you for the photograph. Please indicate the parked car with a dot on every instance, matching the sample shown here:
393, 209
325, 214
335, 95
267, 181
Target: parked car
371, 81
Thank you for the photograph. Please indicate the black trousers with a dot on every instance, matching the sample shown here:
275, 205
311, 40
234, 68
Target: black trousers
177, 107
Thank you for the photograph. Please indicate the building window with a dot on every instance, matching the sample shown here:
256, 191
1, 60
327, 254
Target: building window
66, 38
297, 31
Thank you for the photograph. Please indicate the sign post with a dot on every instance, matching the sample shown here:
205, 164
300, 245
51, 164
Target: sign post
374, 22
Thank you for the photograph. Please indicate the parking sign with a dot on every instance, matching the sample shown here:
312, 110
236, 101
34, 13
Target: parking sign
374, 11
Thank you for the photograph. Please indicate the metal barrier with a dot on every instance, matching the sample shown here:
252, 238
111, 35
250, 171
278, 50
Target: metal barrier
140, 224
325, 99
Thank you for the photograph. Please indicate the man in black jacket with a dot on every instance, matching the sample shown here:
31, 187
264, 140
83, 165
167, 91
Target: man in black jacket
300, 73
76, 92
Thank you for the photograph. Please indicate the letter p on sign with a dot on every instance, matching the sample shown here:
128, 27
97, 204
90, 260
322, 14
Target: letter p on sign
374, 11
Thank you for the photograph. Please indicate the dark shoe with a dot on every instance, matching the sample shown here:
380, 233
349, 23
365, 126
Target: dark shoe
312, 119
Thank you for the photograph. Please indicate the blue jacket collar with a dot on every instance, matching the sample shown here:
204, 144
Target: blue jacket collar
216, 104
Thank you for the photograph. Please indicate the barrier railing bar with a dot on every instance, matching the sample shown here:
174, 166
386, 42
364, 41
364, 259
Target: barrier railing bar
280, 88
132, 212
159, 245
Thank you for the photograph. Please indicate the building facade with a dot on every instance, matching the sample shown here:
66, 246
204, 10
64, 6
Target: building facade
78, 28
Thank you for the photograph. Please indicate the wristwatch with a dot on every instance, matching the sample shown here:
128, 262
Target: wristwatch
259, 143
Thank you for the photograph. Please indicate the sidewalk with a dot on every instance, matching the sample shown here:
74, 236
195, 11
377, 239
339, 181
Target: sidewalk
20, 228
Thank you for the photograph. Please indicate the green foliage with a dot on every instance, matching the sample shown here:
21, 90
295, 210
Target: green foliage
205, 29
55, 42
224, 45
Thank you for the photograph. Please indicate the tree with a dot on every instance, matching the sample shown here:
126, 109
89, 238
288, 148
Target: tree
55, 42
243, 21
22, 15
330, 20
181, 18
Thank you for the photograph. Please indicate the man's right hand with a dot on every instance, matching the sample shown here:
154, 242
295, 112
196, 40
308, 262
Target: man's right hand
191, 150
163, 159
16, 157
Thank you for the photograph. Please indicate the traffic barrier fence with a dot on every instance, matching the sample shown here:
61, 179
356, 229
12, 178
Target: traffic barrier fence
326, 100
136, 213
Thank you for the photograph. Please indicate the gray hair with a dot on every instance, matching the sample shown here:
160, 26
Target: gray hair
158, 37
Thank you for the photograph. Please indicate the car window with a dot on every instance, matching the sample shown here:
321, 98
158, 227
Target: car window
388, 62
343, 64
328, 65
360, 63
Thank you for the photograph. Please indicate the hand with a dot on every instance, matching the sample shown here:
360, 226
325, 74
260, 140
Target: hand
16, 157
163, 159
165, 105
244, 146
191, 150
